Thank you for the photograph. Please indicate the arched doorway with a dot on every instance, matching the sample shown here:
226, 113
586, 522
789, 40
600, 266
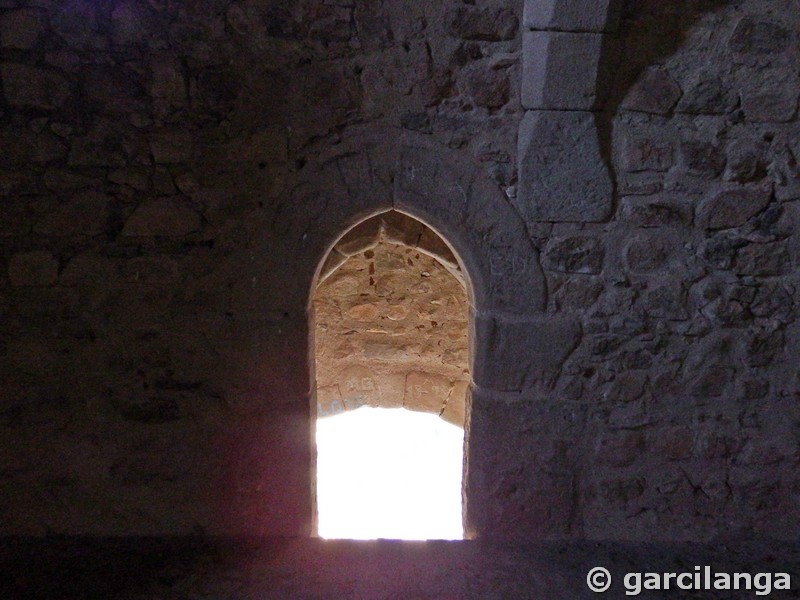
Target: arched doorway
392, 373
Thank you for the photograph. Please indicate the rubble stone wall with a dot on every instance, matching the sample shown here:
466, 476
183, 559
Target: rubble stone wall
617, 179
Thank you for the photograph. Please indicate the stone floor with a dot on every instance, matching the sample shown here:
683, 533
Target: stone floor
248, 569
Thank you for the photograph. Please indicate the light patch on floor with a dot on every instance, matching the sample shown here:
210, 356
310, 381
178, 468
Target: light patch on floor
389, 473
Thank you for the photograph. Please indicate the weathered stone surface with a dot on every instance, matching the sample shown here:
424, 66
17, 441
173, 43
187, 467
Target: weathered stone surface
768, 94
646, 153
515, 354
391, 326
429, 186
531, 467
561, 71
702, 159
562, 174
333, 261
733, 207
574, 255
455, 411
488, 88
666, 300
671, 418
131, 23
426, 392
102, 146
35, 268
708, 94
747, 160
84, 214
654, 92
360, 238
620, 449
572, 15
485, 24
763, 260
88, 271
364, 312
754, 35
329, 401
33, 87
168, 88
577, 293
21, 29
658, 210
171, 146
644, 255
166, 217
23, 146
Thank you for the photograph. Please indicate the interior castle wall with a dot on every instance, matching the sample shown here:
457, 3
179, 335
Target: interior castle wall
173, 175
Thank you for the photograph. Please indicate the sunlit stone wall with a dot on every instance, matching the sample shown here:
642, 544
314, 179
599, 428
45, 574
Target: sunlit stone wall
391, 331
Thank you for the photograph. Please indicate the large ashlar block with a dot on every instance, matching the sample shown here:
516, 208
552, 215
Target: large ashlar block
521, 456
561, 71
572, 15
563, 177
513, 354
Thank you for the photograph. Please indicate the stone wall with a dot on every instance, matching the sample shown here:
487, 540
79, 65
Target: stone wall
390, 324
175, 175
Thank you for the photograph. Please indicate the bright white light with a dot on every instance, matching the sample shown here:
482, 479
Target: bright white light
389, 473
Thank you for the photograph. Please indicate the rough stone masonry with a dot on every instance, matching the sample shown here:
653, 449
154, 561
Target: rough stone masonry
617, 181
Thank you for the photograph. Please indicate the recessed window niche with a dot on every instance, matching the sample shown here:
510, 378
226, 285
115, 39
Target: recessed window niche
392, 373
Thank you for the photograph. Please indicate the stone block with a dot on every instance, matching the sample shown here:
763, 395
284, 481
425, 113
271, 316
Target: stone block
768, 94
401, 229
646, 254
561, 71
426, 392
131, 23
171, 146
619, 449
21, 29
36, 268
520, 460
572, 15
488, 24
488, 88
575, 254
432, 245
168, 88
655, 92
85, 214
361, 237
763, 260
455, 410
476, 219
162, 218
21, 146
733, 207
360, 386
562, 173
513, 354
646, 153
333, 261
90, 271
329, 401
32, 87
708, 94
657, 210
757, 36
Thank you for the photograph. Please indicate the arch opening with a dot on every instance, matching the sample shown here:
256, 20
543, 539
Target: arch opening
391, 355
